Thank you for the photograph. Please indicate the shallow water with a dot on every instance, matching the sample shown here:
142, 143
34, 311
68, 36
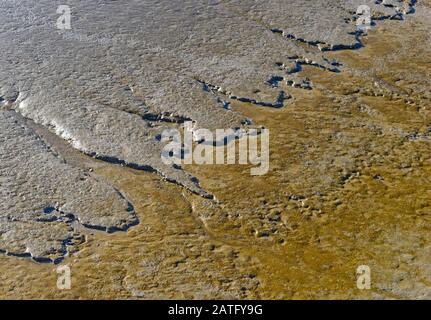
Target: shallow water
348, 186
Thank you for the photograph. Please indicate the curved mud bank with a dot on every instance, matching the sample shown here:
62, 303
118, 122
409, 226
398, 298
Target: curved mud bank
42, 197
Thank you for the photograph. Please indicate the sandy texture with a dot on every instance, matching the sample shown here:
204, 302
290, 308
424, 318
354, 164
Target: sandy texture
350, 158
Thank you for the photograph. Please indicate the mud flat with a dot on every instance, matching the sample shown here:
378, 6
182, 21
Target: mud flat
348, 184
43, 197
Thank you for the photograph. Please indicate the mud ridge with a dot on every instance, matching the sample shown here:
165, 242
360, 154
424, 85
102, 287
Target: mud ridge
279, 103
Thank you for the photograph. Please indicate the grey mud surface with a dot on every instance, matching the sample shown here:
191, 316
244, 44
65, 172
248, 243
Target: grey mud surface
52, 197
126, 71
